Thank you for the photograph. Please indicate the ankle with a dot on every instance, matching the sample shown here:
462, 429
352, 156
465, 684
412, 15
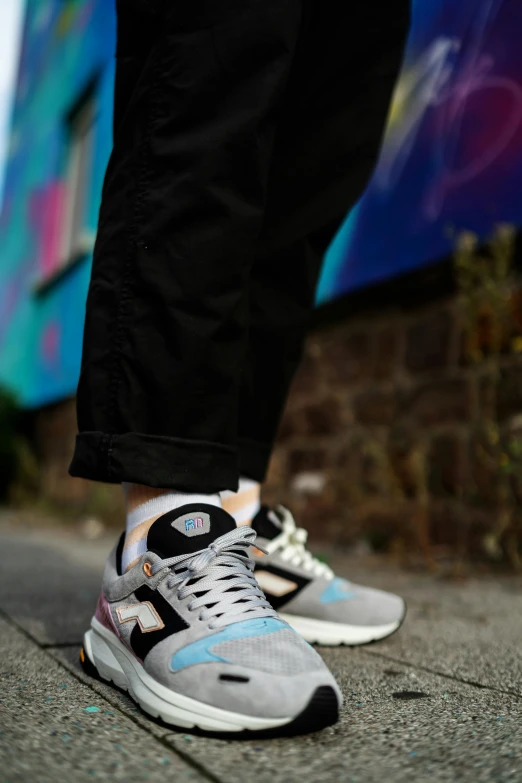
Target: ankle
244, 504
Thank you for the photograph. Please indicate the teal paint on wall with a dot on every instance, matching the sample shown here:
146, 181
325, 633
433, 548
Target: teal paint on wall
66, 47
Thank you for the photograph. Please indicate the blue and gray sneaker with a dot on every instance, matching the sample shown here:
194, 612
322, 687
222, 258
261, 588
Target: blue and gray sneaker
323, 608
190, 635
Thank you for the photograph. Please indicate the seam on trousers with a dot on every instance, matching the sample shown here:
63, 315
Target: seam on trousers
105, 448
132, 242
109, 455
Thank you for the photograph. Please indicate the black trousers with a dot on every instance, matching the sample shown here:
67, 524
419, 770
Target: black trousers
244, 131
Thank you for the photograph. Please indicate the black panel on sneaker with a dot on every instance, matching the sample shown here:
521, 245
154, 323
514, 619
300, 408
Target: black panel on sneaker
276, 601
119, 554
188, 529
142, 642
266, 523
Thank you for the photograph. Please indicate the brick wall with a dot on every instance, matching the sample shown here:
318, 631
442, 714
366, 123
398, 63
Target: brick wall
394, 438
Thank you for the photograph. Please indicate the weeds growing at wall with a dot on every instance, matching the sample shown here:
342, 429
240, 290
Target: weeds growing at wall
489, 303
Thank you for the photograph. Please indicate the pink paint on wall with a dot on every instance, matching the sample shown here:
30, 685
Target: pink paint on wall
46, 212
85, 15
49, 344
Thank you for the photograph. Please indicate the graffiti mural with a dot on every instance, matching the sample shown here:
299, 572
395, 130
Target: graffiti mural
452, 157
66, 58
451, 160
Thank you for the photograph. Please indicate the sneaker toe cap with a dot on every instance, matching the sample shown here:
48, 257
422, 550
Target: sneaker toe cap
254, 693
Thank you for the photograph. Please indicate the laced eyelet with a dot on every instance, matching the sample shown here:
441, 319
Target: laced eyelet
147, 569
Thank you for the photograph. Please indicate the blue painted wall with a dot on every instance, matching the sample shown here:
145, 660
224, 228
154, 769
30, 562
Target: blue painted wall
65, 47
452, 156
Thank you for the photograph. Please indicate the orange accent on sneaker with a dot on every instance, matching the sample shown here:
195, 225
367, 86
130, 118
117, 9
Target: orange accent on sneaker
82, 655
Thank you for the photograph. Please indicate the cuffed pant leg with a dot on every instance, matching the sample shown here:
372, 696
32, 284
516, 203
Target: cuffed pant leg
156, 461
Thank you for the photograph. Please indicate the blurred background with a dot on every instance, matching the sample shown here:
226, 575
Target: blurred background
403, 433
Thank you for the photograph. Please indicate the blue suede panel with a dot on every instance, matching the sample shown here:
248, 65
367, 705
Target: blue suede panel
200, 651
337, 590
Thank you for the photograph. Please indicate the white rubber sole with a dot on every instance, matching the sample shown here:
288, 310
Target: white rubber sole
333, 634
114, 663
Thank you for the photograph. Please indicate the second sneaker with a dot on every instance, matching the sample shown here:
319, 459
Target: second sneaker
322, 607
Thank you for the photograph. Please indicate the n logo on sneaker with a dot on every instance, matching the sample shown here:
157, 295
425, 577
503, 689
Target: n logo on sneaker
192, 524
279, 585
147, 617
274, 585
142, 639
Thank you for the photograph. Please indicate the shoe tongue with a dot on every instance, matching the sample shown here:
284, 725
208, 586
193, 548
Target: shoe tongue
267, 523
188, 529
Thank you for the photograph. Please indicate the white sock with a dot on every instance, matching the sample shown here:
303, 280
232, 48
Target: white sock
244, 504
144, 505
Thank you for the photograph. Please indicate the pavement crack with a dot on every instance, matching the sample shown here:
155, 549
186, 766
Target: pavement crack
430, 670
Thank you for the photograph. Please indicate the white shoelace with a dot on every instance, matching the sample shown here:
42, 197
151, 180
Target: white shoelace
291, 545
221, 579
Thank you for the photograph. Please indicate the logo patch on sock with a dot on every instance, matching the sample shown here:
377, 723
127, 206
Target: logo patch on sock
194, 524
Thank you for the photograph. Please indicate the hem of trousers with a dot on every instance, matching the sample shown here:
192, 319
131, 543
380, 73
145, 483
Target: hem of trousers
254, 458
155, 461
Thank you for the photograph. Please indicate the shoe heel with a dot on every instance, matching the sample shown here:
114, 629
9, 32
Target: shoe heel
98, 660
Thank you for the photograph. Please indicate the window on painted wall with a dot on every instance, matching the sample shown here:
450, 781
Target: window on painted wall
59, 210
76, 241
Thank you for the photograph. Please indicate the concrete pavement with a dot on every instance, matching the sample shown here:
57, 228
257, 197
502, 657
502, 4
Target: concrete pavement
439, 701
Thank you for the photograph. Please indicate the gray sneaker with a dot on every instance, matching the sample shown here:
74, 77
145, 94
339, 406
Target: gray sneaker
190, 635
323, 608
